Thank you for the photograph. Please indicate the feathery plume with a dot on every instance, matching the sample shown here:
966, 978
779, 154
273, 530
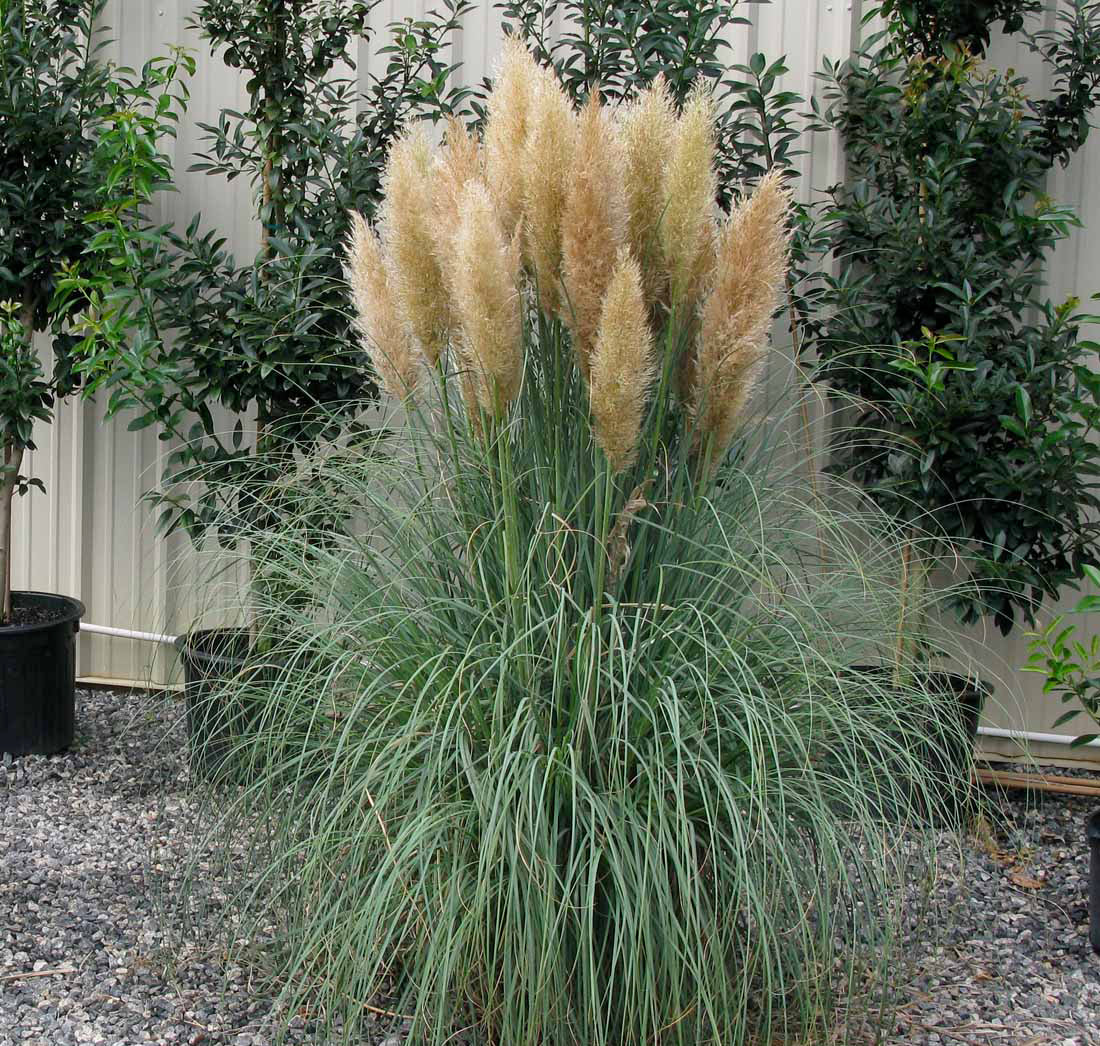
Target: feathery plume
623, 365
378, 318
751, 266
647, 127
458, 163
547, 159
687, 229
506, 128
593, 226
487, 301
407, 229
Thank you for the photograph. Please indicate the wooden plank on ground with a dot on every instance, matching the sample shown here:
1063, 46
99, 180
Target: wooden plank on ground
1039, 782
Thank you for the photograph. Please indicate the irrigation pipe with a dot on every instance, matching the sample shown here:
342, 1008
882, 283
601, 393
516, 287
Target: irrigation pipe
127, 633
1031, 735
985, 731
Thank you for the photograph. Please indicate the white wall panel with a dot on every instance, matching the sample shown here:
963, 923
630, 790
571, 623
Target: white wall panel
90, 536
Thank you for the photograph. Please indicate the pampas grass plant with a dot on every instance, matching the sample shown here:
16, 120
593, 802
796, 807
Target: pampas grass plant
567, 745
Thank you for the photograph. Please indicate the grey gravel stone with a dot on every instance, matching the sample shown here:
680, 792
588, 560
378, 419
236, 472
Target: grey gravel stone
1008, 958
91, 843
89, 851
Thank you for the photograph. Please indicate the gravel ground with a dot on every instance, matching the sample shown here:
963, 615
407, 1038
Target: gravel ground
1010, 960
86, 955
89, 845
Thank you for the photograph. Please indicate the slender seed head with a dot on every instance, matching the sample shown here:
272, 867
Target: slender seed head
407, 224
378, 318
647, 127
507, 127
548, 157
737, 316
458, 163
593, 226
687, 228
623, 365
487, 301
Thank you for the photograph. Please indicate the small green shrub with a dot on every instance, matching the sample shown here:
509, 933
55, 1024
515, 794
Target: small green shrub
1071, 666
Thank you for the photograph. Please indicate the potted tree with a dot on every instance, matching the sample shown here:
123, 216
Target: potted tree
970, 409
50, 90
67, 119
267, 337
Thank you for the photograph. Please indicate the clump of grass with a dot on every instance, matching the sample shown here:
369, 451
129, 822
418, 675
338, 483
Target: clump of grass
560, 737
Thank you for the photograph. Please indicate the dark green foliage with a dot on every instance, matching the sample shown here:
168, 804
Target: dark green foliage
79, 142
624, 47
1072, 52
52, 88
975, 402
1070, 49
924, 25
271, 334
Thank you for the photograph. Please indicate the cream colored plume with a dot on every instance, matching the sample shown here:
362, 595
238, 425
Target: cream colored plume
647, 128
593, 226
737, 316
378, 318
547, 160
408, 229
487, 301
623, 365
687, 227
506, 128
458, 164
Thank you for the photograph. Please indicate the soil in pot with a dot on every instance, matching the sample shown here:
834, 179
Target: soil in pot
38, 674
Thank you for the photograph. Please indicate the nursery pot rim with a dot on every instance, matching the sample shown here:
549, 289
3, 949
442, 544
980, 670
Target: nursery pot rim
189, 645
968, 680
73, 610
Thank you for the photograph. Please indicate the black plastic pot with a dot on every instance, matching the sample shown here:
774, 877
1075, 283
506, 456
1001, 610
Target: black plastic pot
215, 722
954, 747
947, 749
1092, 833
38, 677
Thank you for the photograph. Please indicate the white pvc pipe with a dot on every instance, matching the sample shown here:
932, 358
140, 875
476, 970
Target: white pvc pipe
127, 633
986, 731
1031, 735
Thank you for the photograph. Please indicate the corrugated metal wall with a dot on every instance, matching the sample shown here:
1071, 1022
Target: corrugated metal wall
91, 536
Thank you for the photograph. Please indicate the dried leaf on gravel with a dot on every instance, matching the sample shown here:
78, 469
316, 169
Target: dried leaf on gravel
1027, 882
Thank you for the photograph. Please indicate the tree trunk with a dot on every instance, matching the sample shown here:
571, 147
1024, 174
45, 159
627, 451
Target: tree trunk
13, 458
